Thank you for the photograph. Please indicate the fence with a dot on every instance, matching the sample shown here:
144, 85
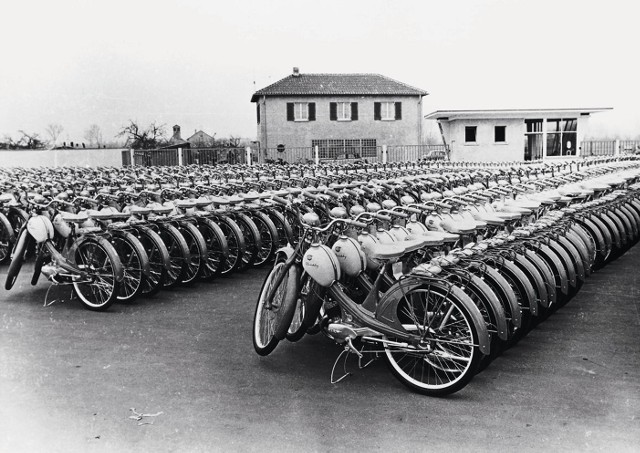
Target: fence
184, 156
608, 147
349, 152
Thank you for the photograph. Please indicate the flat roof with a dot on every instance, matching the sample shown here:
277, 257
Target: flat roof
452, 115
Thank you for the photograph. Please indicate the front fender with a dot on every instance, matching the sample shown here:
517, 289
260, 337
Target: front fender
388, 307
285, 253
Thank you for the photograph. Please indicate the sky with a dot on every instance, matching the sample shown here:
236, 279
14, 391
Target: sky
196, 63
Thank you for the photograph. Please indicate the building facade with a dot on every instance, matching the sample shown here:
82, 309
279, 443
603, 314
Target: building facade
342, 114
513, 135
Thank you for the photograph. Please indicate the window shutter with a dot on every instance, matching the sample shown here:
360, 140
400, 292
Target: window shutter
354, 111
377, 111
258, 111
333, 111
312, 111
290, 116
398, 110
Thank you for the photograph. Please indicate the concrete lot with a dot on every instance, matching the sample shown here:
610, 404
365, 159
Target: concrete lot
69, 377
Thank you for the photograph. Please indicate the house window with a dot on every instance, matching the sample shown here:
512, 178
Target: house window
561, 137
301, 111
533, 140
470, 134
500, 134
343, 111
387, 111
346, 148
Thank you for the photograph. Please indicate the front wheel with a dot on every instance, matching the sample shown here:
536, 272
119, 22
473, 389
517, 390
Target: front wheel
273, 316
447, 358
100, 261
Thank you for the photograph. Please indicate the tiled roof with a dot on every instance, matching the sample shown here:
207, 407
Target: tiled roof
338, 84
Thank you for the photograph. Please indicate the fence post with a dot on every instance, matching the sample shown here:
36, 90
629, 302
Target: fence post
248, 149
616, 148
180, 157
316, 154
384, 154
133, 157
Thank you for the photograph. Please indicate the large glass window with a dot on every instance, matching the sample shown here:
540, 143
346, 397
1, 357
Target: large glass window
533, 140
561, 137
346, 148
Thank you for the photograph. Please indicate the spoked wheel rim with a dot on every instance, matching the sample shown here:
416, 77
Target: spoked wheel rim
267, 318
92, 258
132, 265
176, 258
266, 247
447, 354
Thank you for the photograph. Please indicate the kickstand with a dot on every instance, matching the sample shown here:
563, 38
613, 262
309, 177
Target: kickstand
345, 352
48, 303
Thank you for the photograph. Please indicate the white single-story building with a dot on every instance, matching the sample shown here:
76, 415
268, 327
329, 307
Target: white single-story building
513, 135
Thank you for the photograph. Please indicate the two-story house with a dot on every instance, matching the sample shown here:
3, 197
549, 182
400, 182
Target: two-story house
345, 115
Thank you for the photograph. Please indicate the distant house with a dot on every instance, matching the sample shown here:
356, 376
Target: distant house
201, 139
508, 135
345, 115
176, 140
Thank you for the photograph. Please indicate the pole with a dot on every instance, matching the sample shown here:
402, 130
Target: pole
384, 154
248, 149
316, 154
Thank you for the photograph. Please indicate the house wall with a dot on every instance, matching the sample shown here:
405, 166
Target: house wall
485, 147
274, 129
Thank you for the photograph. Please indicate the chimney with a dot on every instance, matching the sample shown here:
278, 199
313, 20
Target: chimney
176, 133
296, 72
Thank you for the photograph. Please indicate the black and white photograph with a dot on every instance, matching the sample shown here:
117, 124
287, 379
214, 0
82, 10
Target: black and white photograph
337, 226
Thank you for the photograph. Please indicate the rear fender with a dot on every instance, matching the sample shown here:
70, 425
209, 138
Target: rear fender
67, 263
388, 307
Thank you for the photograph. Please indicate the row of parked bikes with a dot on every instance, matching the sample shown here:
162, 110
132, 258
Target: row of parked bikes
435, 267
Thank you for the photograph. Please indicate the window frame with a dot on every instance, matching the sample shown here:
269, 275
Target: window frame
504, 134
299, 111
390, 111
475, 135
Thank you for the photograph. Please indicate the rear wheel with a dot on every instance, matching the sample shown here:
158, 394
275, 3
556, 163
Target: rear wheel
268, 237
178, 254
158, 261
134, 260
447, 358
101, 262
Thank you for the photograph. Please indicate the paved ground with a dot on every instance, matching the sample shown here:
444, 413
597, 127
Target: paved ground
68, 378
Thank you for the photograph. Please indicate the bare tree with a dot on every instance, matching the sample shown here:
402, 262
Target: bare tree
140, 138
94, 135
29, 141
54, 130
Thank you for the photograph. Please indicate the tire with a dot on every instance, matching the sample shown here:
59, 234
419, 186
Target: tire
235, 245
158, 260
135, 262
308, 306
217, 248
101, 261
491, 310
268, 236
197, 256
17, 259
252, 240
441, 368
270, 324
285, 232
178, 254
7, 239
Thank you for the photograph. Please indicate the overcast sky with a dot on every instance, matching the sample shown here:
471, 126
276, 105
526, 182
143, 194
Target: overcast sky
196, 63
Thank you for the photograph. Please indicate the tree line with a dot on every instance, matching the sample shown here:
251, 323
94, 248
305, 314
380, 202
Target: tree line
132, 135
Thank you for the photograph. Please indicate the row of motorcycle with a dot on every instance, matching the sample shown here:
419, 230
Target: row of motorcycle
439, 273
436, 267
